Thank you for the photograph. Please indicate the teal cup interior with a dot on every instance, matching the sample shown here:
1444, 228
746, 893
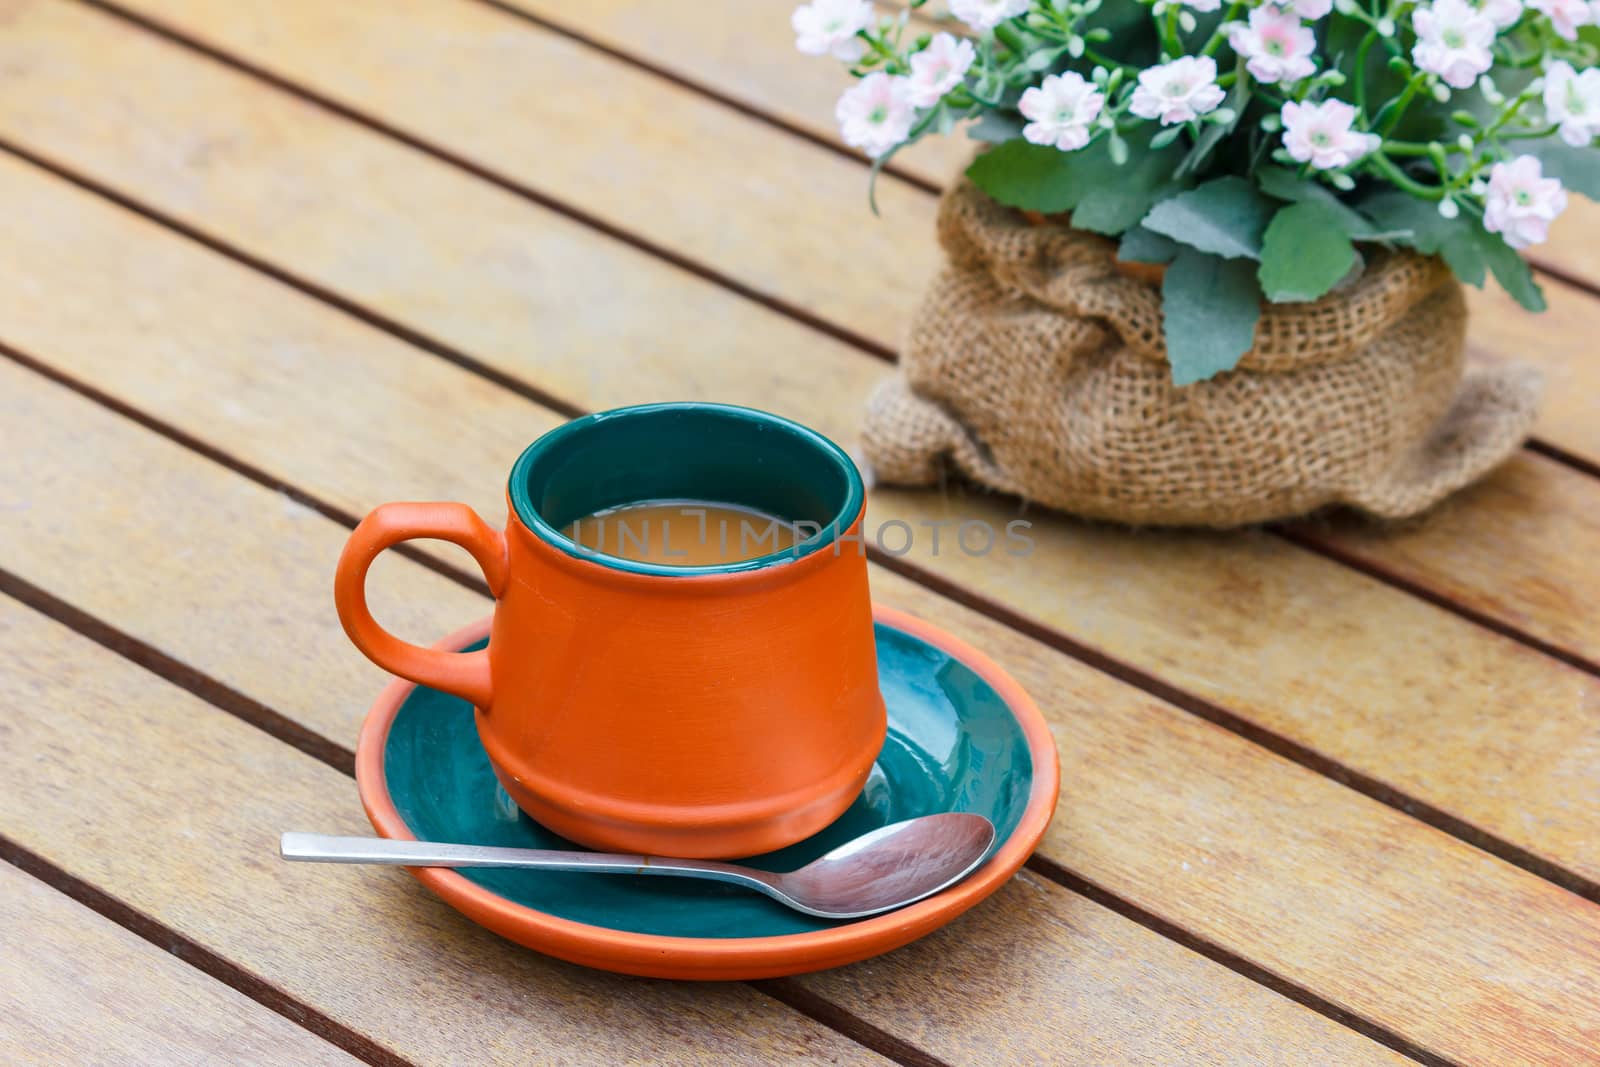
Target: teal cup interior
687, 451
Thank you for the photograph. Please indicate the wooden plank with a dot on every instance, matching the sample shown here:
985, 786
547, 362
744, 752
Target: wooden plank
585, 129
1550, 593
745, 51
77, 988
1410, 904
1301, 646
1573, 248
1097, 972
1561, 342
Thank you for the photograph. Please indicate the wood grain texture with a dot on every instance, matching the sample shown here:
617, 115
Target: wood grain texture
1561, 342
1572, 248
77, 988
1335, 892
1293, 642
664, 161
743, 50
1099, 972
1487, 530
176, 810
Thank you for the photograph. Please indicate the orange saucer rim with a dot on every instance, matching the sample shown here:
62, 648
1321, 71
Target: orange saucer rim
726, 959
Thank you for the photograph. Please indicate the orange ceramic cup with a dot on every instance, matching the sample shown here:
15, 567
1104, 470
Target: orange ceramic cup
712, 711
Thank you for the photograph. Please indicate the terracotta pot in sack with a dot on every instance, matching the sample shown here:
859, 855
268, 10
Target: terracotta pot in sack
1034, 366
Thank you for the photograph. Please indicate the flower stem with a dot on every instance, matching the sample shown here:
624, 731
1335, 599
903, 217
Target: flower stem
1386, 167
1214, 42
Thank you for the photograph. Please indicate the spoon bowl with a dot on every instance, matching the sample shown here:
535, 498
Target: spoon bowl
890, 867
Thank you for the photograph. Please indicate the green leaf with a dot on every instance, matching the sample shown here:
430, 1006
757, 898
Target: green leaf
1284, 184
1304, 254
995, 127
1028, 176
1214, 132
1209, 308
1578, 168
1462, 255
1431, 233
1112, 197
1121, 198
1470, 250
1225, 217
1139, 245
1510, 269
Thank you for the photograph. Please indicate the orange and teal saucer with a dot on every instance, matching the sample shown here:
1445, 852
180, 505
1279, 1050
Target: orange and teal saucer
963, 736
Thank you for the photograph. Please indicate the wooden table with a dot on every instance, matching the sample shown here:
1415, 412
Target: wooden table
1331, 794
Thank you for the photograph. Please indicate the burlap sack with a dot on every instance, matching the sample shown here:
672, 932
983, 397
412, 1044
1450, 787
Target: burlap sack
1036, 368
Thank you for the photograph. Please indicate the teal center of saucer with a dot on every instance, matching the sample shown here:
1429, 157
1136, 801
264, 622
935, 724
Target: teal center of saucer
953, 745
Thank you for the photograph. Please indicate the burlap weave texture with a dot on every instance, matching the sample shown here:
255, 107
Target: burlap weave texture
1035, 367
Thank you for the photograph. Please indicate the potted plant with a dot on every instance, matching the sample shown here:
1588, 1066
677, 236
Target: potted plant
1207, 269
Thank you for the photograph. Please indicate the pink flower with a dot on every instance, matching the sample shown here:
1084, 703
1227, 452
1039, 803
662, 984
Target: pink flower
1278, 48
1060, 111
1573, 100
1321, 134
876, 114
1565, 15
1522, 202
1178, 91
987, 14
829, 27
1202, 6
1453, 40
1310, 10
1502, 13
939, 68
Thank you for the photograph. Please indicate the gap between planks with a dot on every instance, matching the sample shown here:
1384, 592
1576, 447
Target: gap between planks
1306, 540
192, 952
1272, 741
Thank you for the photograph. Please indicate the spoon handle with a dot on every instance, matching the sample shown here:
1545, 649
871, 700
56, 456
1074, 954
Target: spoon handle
326, 848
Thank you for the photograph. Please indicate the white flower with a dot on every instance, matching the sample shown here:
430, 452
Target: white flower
1178, 91
829, 27
1060, 111
1573, 100
1522, 202
987, 14
1310, 10
1565, 15
1276, 44
939, 68
1203, 6
876, 114
1453, 40
1502, 13
1321, 134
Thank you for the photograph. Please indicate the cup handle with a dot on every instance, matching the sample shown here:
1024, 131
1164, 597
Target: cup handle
464, 674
